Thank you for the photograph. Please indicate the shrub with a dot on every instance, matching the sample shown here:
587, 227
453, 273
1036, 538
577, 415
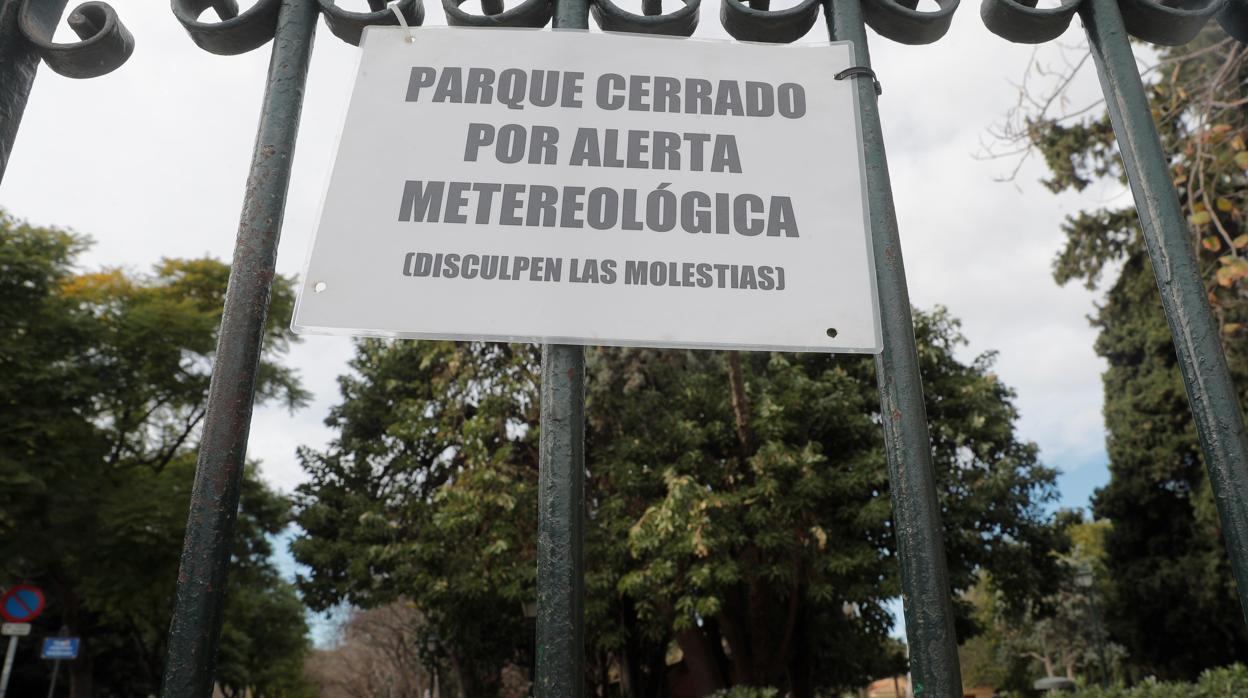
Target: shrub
1214, 683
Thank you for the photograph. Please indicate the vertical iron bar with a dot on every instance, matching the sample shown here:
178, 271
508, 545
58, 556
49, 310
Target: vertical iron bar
571, 14
925, 588
1215, 404
560, 671
200, 599
561, 511
18, 63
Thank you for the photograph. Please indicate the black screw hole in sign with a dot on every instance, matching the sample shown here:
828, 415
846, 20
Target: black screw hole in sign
831, 331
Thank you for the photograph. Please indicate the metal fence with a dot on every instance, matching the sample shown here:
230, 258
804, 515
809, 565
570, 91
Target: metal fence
26, 30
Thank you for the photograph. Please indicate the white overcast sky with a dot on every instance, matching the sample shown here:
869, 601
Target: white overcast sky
151, 161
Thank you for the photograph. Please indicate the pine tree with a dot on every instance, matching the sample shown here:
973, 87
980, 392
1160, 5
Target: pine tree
1172, 602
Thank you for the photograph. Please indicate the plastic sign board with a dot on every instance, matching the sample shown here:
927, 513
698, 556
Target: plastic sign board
59, 648
22, 603
528, 185
15, 629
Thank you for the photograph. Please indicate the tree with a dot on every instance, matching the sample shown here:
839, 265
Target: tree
375, 657
103, 377
1172, 602
1062, 634
738, 522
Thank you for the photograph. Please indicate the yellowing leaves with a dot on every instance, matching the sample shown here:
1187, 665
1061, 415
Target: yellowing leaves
1231, 328
1213, 243
1200, 218
1240, 242
97, 286
1233, 269
1241, 159
821, 537
1225, 205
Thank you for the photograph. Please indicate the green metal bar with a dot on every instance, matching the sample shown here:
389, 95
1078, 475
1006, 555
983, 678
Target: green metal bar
561, 496
916, 513
560, 532
571, 14
1215, 404
200, 599
18, 63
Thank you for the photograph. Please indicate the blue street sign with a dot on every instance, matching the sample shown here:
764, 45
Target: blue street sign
59, 648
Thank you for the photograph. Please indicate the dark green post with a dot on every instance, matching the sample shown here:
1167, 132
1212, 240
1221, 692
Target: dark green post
560, 528
1215, 404
561, 496
934, 669
18, 63
200, 599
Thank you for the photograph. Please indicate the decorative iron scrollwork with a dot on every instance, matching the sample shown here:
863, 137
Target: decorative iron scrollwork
1158, 23
1155, 21
1022, 22
613, 18
236, 33
105, 42
903, 22
758, 22
349, 26
1234, 19
530, 13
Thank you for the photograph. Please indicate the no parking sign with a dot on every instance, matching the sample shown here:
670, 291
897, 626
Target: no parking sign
22, 603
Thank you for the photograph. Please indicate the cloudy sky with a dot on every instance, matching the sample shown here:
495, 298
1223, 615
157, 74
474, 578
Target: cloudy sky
151, 161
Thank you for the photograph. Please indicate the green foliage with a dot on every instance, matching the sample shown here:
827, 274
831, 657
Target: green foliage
745, 692
1212, 683
1062, 634
1173, 587
1171, 601
103, 379
751, 545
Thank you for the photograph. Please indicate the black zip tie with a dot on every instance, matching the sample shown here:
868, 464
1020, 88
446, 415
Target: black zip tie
858, 71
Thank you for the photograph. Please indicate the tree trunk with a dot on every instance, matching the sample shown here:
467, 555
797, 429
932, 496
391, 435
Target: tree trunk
657, 687
735, 629
760, 613
801, 664
779, 662
81, 683
700, 661
467, 681
740, 407
82, 669
630, 673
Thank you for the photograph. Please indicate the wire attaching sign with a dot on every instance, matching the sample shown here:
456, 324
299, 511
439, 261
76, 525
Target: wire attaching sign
596, 189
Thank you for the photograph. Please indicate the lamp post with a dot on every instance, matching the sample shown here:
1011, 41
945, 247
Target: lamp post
1085, 578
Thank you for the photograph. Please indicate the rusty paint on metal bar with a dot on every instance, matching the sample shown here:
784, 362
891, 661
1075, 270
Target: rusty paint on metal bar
1215, 403
560, 671
200, 600
934, 666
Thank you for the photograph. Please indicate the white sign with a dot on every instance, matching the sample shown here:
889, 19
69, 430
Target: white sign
584, 188
15, 629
